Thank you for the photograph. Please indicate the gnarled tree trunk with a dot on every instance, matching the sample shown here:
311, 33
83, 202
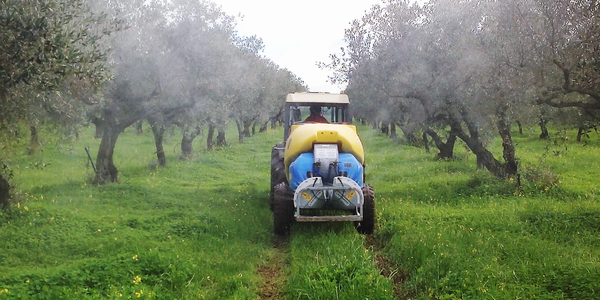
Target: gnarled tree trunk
247, 125
105, 168
158, 130
508, 147
240, 128
393, 133
520, 127
34, 140
409, 135
139, 128
580, 132
210, 136
277, 118
544, 135
221, 141
446, 149
263, 127
4, 192
186, 142
485, 158
99, 124
385, 128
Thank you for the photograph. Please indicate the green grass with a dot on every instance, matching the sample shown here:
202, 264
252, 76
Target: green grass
192, 230
197, 229
329, 261
201, 229
460, 233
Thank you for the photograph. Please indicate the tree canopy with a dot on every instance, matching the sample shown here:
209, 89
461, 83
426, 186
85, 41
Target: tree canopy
48, 47
468, 69
117, 63
181, 57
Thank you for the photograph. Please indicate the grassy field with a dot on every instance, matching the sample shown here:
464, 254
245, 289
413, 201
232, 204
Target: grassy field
202, 229
459, 233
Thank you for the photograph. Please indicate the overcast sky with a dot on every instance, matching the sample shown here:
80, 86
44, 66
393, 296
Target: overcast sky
297, 33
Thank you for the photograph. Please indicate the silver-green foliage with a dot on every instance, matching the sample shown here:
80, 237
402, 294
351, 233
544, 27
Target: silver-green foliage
48, 46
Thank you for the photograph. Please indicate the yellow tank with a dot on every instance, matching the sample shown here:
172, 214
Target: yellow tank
302, 138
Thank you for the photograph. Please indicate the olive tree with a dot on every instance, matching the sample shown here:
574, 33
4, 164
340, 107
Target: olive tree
162, 62
567, 57
433, 57
48, 47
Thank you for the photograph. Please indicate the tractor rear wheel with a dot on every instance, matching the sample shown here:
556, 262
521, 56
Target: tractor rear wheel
283, 209
367, 225
277, 169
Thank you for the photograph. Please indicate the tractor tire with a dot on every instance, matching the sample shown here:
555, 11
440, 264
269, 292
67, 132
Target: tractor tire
277, 170
367, 225
283, 209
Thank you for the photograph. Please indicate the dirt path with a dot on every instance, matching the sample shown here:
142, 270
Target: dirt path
387, 268
274, 272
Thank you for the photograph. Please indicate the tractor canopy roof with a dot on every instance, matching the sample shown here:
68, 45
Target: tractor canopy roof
317, 98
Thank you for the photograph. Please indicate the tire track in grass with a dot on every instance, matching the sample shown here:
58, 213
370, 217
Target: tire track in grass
387, 268
275, 272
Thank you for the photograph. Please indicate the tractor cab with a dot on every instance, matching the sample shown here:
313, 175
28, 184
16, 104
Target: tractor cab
333, 107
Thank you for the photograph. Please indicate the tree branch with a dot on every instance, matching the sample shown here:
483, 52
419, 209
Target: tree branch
562, 104
569, 88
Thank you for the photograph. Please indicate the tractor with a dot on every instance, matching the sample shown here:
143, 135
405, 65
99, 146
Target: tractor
317, 172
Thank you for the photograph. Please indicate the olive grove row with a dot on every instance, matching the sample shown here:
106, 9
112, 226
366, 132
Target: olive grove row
467, 70
117, 63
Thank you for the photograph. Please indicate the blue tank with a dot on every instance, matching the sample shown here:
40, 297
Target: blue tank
300, 168
303, 166
350, 167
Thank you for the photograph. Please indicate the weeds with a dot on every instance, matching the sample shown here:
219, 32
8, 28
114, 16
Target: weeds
201, 229
460, 233
158, 235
